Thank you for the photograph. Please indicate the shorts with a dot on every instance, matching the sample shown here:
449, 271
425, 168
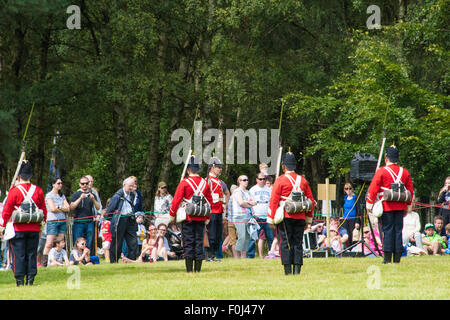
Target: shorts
106, 244
262, 235
232, 234
54, 227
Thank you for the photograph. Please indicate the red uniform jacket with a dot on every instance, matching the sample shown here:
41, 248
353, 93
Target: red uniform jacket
283, 187
216, 187
382, 178
15, 198
184, 190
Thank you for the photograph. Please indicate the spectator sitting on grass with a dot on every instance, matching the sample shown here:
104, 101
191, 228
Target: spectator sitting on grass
149, 250
163, 251
334, 222
447, 232
432, 241
174, 239
57, 255
439, 227
411, 228
80, 253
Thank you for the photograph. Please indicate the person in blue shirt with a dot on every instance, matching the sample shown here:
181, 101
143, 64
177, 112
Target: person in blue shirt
351, 208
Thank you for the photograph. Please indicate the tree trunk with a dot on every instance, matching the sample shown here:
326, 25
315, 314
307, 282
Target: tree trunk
41, 115
151, 162
121, 146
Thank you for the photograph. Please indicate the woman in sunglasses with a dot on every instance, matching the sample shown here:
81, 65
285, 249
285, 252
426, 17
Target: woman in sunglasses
351, 211
242, 212
57, 207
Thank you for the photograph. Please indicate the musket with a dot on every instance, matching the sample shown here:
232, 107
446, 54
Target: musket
186, 164
378, 166
22, 155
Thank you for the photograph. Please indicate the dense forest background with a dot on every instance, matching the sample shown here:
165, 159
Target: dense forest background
108, 96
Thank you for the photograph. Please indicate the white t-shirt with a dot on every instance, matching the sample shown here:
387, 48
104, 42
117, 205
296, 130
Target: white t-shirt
411, 223
59, 256
262, 197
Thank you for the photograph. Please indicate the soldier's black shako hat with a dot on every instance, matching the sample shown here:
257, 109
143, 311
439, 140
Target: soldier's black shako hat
193, 164
392, 153
289, 161
26, 171
214, 161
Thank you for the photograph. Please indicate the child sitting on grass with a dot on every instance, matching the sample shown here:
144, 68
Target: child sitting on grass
58, 255
432, 242
80, 254
447, 232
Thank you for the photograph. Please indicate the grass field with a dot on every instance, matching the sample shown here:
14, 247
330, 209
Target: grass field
251, 279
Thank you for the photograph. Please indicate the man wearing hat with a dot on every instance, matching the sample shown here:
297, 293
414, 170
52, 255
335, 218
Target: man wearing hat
215, 226
290, 230
192, 229
23, 246
393, 211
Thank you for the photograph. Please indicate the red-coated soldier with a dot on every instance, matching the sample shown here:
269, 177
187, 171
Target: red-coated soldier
291, 229
219, 197
393, 211
193, 228
23, 246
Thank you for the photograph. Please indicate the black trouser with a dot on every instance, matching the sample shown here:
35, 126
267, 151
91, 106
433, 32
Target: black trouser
290, 238
349, 225
392, 227
23, 249
126, 228
193, 233
215, 228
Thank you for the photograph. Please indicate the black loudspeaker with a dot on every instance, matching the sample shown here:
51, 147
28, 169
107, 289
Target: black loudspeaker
362, 167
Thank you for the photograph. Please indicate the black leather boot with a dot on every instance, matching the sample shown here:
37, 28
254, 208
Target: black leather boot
30, 280
297, 268
197, 265
189, 264
287, 269
397, 257
387, 257
20, 282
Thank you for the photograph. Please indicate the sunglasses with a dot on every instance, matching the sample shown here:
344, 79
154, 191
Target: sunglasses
84, 183
261, 179
244, 180
165, 187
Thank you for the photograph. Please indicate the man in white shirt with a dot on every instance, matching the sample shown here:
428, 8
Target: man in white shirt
261, 193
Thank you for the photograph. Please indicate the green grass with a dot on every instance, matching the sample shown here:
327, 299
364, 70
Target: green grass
250, 279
